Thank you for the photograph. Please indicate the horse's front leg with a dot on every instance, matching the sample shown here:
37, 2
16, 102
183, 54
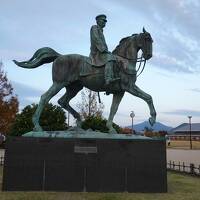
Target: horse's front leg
136, 91
115, 104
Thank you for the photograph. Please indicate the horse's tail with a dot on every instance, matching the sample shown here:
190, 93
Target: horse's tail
40, 57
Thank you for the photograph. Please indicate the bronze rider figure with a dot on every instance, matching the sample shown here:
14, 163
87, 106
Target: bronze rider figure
99, 53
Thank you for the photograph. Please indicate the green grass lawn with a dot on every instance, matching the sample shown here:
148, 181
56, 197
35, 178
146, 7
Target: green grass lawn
180, 187
181, 144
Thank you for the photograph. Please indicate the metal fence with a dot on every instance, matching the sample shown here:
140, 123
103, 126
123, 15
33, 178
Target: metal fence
183, 168
1, 160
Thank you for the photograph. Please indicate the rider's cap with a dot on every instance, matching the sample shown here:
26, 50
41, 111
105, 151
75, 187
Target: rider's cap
102, 16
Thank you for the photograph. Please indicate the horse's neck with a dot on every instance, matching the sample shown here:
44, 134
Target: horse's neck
129, 52
130, 58
134, 53
133, 61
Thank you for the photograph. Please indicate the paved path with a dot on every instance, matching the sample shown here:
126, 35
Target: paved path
187, 156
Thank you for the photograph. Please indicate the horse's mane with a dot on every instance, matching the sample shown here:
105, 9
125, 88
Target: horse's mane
123, 48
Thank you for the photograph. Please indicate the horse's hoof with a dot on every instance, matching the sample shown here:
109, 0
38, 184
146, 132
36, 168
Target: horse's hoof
78, 123
76, 128
112, 131
37, 129
152, 121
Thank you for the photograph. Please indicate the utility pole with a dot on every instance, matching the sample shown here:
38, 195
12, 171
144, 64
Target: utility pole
190, 128
68, 118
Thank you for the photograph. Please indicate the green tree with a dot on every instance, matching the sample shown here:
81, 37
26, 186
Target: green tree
98, 123
52, 119
8, 103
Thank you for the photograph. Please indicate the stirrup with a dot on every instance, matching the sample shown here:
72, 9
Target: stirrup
114, 79
110, 81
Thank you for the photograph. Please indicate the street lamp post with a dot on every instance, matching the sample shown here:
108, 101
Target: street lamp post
132, 115
190, 117
68, 118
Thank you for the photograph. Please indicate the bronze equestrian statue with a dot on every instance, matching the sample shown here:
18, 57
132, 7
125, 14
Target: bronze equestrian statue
115, 73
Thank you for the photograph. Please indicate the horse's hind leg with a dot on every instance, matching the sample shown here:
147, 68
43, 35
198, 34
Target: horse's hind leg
52, 91
71, 92
136, 91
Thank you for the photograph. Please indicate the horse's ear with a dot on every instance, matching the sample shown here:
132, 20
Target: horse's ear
144, 31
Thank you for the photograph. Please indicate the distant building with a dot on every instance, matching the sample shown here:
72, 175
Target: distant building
184, 129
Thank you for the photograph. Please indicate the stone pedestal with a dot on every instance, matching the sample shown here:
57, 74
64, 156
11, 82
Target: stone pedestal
84, 163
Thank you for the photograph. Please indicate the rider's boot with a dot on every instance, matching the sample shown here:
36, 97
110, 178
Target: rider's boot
109, 73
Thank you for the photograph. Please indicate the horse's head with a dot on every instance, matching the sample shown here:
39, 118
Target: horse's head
129, 46
144, 42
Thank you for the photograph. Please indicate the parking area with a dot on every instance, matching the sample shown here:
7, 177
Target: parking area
186, 156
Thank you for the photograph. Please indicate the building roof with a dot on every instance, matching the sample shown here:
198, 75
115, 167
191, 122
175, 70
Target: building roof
185, 127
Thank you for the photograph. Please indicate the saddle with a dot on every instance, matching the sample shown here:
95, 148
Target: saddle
120, 64
88, 69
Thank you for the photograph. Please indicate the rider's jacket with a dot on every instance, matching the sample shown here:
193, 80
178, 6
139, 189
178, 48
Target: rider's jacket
98, 50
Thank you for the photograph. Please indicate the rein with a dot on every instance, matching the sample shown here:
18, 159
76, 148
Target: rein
140, 59
136, 60
142, 68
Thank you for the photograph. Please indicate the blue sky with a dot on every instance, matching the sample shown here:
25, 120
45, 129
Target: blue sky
172, 76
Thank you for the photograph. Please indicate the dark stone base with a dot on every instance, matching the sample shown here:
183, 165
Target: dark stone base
92, 165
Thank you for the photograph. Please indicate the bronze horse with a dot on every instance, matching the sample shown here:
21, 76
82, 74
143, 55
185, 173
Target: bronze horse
74, 72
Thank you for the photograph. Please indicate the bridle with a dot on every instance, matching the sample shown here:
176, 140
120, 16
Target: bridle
138, 60
141, 58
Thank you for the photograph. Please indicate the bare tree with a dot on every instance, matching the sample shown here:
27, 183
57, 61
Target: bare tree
89, 105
